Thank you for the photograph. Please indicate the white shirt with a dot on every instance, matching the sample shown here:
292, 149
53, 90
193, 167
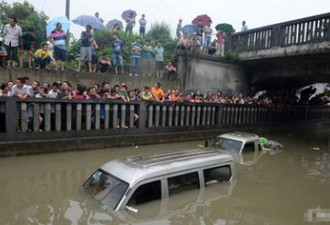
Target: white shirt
19, 91
52, 94
12, 35
244, 28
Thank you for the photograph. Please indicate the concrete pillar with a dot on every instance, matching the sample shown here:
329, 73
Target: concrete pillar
36, 115
47, 115
68, 116
58, 117
115, 116
97, 116
88, 116
78, 116
106, 116
24, 125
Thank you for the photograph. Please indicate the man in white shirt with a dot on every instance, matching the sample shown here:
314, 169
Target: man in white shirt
12, 33
20, 90
244, 26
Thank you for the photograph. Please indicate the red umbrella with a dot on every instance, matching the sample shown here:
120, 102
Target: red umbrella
205, 18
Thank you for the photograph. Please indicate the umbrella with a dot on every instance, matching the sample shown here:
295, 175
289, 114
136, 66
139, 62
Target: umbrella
190, 29
52, 24
85, 20
111, 24
225, 27
205, 18
126, 15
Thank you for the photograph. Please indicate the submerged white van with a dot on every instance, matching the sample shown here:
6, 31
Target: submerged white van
128, 182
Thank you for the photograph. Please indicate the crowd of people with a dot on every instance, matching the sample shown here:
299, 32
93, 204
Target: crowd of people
17, 43
23, 88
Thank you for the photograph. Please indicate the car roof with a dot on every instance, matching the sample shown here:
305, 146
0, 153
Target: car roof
137, 168
240, 136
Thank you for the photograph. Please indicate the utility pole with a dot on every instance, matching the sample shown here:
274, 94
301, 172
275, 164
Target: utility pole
67, 9
67, 13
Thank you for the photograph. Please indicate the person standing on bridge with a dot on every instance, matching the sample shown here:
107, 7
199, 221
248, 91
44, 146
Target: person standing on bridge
244, 26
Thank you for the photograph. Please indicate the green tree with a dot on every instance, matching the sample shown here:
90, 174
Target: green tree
26, 16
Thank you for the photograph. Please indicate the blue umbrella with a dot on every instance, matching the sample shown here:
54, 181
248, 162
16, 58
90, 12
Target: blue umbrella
190, 29
85, 20
52, 24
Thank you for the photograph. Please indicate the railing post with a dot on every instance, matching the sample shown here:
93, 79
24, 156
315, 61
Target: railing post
276, 39
36, 116
164, 110
47, 119
88, 118
24, 119
142, 115
182, 116
106, 116
219, 115
114, 116
11, 111
68, 116
58, 117
157, 115
150, 115
97, 116
123, 116
78, 116
131, 116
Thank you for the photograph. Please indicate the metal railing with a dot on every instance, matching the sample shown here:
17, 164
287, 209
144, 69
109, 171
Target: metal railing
307, 30
57, 118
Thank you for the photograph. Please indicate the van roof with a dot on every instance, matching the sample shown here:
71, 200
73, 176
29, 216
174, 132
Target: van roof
240, 136
136, 168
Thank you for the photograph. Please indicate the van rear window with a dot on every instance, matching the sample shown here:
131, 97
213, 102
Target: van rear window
217, 175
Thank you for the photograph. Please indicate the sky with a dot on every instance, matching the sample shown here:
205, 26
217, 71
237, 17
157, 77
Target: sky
256, 13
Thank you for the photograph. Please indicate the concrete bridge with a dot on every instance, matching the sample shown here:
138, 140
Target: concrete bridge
294, 53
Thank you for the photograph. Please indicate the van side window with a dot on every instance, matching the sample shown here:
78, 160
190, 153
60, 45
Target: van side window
217, 175
248, 148
146, 193
182, 183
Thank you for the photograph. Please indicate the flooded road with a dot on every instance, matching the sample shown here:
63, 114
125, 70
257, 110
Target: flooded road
288, 188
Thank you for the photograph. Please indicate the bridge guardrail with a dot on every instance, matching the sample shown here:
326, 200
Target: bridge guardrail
57, 118
312, 29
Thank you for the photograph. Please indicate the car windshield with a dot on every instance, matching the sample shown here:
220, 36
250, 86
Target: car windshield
105, 188
228, 144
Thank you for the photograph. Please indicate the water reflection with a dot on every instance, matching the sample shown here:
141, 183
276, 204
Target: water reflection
277, 189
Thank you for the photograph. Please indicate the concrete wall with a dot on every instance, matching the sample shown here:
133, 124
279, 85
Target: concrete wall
204, 73
84, 78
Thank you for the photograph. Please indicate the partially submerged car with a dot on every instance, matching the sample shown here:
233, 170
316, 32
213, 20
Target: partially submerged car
244, 147
128, 182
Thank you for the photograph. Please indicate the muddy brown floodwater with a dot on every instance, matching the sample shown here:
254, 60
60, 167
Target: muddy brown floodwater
288, 188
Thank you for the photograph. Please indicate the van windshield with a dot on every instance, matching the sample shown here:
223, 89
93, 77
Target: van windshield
105, 188
228, 144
